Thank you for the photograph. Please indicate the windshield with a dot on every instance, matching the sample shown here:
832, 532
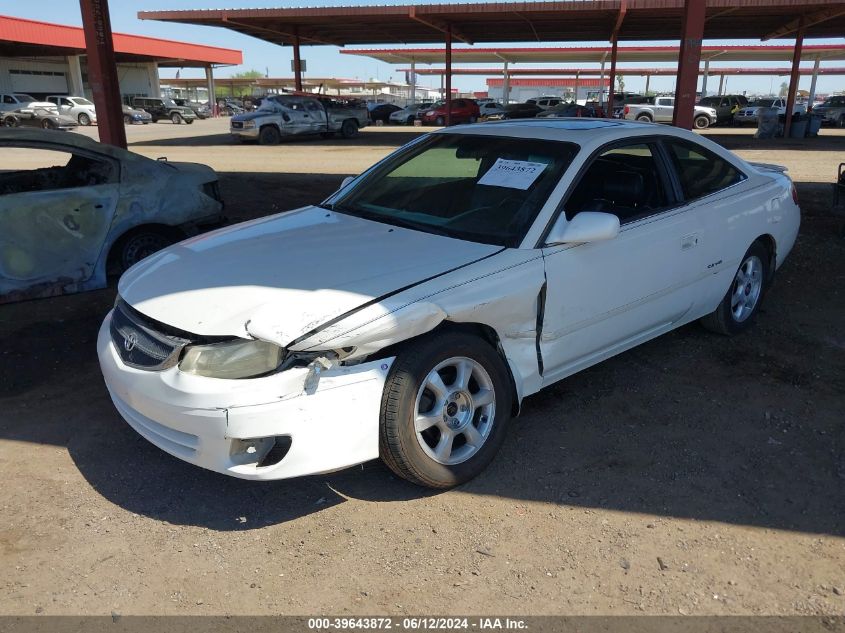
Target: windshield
763, 103
42, 111
480, 188
81, 101
22, 96
170, 103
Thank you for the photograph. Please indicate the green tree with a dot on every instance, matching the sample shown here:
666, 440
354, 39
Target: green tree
248, 74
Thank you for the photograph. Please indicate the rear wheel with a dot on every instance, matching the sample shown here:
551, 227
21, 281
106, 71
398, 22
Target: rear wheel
701, 122
440, 121
10, 121
349, 129
141, 244
269, 135
644, 118
127, 119
47, 124
176, 118
84, 119
445, 409
189, 121
738, 309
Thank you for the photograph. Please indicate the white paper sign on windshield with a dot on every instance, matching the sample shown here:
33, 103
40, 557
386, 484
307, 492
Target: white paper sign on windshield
516, 174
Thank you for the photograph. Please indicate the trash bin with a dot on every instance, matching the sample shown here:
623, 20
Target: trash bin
814, 124
767, 123
798, 128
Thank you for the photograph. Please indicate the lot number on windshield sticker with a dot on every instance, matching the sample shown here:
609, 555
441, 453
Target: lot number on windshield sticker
516, 174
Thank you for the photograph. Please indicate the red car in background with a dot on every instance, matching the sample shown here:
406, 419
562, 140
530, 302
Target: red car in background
463, 111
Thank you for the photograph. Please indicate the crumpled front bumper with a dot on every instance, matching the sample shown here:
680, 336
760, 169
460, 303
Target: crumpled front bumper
332, 419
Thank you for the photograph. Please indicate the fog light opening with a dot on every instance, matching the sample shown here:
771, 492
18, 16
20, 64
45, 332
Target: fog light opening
277, 452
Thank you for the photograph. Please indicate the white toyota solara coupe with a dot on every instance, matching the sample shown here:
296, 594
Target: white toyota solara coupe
408, 315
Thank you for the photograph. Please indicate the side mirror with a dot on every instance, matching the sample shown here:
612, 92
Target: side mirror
587, 226
346, 181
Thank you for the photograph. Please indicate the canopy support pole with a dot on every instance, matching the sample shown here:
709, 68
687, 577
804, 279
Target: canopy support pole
297, 61
689, 60
102, 71
793, 78
448, 74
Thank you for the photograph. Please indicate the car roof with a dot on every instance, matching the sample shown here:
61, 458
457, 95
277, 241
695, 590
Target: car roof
586, 132
67, 141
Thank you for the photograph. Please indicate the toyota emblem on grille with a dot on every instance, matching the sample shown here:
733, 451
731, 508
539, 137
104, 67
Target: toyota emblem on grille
130, 341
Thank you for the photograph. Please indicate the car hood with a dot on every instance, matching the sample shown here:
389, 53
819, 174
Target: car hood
257, 114
281, 277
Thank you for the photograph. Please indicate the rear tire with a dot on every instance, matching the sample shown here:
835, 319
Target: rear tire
738, 309
440, 121
440, 440
47, 124
127, 120
189, 121
176, 118
349, 129
269, 135
701, 122
140, 244
644, 118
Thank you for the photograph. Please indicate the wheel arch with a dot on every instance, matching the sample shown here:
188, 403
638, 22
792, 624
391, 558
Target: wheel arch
472, 328
770, 244
173, 232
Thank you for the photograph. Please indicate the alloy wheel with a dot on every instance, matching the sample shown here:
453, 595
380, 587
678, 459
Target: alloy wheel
747, 287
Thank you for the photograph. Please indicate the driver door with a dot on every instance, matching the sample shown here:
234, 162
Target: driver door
607, 296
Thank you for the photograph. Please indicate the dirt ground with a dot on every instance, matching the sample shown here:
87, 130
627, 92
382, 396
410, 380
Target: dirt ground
695, 474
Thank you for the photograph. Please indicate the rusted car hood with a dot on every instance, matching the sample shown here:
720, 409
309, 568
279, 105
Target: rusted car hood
285, 275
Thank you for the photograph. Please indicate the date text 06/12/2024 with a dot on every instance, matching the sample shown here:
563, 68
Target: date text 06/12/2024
417, 623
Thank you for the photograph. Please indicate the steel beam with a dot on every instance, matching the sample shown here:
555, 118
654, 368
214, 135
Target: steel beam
704, 78
812, 96
721, 84
612, 89
102, 71
689, 59
212, 99
297, 61
448, 74
793, 79
506, 85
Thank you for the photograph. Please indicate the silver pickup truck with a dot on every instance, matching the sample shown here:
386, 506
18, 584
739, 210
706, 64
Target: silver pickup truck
288, 115
661, 109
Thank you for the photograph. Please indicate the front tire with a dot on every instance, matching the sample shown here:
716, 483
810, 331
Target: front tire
176, 118
269, 135
127, 120
84, 119
47, 124
349, 129
738, 309
701, 122
445, 409
440, 121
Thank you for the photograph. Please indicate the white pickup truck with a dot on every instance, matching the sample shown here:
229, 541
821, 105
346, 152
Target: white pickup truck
661, 109
287, 115
10, 102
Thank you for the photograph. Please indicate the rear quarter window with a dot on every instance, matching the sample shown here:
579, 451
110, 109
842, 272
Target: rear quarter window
700, 171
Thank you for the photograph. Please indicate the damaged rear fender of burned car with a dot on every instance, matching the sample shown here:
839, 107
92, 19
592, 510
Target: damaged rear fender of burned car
317, 335
98, 209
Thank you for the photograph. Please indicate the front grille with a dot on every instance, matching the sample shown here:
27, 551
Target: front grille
139, 343
237, 125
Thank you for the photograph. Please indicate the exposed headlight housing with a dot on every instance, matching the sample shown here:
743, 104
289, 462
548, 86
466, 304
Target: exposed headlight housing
248, 124
232, 359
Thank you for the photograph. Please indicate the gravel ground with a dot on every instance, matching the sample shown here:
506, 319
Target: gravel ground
695, 474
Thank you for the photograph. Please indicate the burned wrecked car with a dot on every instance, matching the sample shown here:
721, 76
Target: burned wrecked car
71, 207
37, 116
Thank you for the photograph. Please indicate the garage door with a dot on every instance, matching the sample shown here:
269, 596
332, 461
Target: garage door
43, 82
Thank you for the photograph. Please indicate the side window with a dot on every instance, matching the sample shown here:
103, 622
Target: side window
8, 99
624, 181
48, 170
312, 106
700, 171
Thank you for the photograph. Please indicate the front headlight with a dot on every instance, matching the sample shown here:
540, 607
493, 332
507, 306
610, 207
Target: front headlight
231, 360
249, 124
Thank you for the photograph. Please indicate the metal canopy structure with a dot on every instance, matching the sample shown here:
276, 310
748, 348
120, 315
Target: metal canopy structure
691, 21
31, 38
562, 21
636, 72
597, 54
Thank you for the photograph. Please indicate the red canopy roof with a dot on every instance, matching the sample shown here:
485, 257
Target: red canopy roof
31, 38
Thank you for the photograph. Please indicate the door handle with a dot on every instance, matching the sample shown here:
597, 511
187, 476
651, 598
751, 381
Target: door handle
689, 241
98, 206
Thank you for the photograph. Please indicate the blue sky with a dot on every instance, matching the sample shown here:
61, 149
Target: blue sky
325, 61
